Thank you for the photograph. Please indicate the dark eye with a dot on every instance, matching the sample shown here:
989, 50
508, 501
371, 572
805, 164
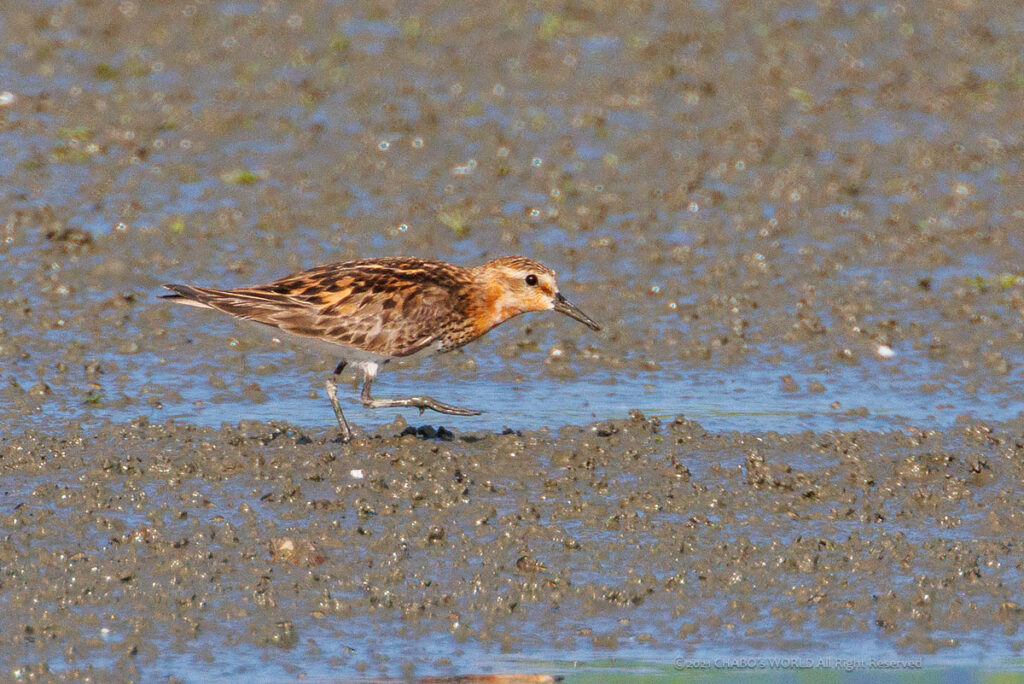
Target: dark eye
531, 280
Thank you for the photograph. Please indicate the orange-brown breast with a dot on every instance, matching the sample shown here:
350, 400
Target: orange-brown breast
489, 308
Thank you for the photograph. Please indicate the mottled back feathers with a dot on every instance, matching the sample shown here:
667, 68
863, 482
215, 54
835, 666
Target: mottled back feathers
386, 306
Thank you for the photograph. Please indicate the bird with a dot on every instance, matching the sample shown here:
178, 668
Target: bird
368, 311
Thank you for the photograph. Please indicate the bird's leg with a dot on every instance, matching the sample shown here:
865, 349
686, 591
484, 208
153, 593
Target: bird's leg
418, 402
332, 394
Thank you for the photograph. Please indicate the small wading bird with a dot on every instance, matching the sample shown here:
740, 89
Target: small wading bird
370, 311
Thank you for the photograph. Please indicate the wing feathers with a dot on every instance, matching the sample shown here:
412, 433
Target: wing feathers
392, 307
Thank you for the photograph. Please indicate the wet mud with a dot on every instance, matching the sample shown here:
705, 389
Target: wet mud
141, 545
784, 216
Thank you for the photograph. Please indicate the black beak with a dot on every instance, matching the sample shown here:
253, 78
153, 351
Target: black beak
562, 305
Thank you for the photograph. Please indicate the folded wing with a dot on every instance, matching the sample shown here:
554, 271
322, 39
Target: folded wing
373, 310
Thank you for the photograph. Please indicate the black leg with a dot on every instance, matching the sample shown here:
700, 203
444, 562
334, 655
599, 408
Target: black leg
332, 394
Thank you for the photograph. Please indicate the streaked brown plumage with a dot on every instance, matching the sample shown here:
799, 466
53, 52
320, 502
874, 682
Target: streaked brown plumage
372, 310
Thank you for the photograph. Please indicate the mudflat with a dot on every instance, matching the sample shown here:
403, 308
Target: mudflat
177, 549
798, 434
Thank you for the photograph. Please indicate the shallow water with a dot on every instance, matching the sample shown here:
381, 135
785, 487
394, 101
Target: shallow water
743, 398
758, 203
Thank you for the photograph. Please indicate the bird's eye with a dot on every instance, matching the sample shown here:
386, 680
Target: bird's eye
531, 280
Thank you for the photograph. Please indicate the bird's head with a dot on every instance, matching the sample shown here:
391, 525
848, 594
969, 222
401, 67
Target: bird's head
515, 285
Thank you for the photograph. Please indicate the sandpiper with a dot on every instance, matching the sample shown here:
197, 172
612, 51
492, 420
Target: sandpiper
369, 311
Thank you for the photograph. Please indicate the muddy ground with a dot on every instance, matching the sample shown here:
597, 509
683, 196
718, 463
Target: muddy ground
802, 199
142, 545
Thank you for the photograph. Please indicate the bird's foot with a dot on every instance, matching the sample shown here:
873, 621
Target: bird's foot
422, 403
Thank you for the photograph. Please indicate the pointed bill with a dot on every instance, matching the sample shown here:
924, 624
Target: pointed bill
562, 305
